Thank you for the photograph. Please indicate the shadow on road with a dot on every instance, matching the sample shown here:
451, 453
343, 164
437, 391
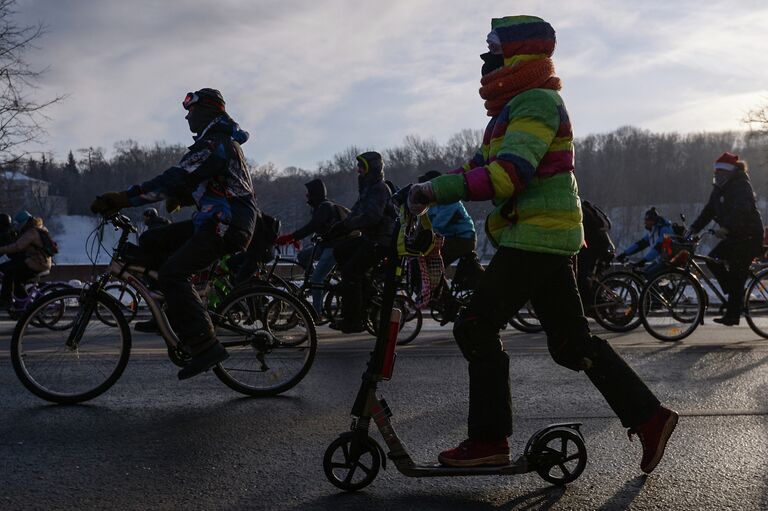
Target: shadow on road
623, 498
537, 500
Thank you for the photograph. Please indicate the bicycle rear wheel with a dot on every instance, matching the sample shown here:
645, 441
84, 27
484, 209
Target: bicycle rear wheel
76, 364
526, 321
267, 354
672, 305
756, 304
616, 305
127, 299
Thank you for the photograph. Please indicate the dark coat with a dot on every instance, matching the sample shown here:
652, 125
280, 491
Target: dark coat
373, 214
733, 206
325, 212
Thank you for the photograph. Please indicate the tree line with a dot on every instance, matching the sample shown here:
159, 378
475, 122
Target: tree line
628, 167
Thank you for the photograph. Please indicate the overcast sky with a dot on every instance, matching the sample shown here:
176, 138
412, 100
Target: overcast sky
310, 78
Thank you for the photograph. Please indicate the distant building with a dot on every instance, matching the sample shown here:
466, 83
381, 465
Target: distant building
19, 191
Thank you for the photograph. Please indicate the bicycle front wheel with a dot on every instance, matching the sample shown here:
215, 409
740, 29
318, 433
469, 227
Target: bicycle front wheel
75, 364
271, 340
672, 305
756, 304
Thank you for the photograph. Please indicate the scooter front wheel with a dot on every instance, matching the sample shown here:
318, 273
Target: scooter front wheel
351, 464
559, 456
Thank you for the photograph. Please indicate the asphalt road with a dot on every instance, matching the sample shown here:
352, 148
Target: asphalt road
152, 442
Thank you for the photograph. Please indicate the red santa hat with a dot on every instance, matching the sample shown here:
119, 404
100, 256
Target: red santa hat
727, 162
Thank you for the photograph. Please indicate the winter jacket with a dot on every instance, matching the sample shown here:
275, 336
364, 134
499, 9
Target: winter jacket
733, 207
31, 244
452, 221
158, 221
525, 164
373, 214
325, 212
213, 175
652, 239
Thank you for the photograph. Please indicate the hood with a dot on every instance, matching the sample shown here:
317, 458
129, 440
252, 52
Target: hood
226, 125
524, 38
316, 192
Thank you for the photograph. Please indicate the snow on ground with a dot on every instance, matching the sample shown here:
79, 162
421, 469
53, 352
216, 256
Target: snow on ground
72, 232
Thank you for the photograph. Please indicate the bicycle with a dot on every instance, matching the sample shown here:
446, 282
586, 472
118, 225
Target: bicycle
673, 302
616, 292
80, 364
35, 290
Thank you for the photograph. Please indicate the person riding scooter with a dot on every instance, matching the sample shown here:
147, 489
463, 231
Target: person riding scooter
526, 166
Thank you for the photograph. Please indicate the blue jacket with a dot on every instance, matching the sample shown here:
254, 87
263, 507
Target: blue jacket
212, 175
653, 240
452, 221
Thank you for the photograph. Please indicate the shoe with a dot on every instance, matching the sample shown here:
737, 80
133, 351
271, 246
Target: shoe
475, 453
204, 361
654, 434
149, 326
347, 327
727, 320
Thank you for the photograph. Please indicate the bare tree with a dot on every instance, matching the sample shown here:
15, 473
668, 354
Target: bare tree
21, 116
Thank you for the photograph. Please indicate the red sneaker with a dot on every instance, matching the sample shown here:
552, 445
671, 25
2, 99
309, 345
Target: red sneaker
473, 453
654, 434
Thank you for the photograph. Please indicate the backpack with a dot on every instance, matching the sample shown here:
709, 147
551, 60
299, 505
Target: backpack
596, 216
261, 247
596, 230
49, 247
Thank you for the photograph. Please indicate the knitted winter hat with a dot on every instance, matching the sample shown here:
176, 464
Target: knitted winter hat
727, 162
521, 38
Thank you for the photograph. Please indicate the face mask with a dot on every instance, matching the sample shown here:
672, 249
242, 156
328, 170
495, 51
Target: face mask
720, 178
491, 62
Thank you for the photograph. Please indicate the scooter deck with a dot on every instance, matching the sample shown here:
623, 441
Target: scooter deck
519, 466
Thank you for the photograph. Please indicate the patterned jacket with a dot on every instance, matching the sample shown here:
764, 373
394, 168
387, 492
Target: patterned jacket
213, 175
526, 164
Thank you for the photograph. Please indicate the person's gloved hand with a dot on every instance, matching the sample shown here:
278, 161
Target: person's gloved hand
420, 197
621, 257
284, 239
721, 233
110, 202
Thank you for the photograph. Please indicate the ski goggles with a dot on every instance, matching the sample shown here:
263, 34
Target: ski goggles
193, 98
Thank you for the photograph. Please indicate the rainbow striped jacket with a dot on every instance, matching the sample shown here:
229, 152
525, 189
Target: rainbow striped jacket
525, 166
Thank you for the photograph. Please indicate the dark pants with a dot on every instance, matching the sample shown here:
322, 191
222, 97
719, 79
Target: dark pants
512, 278
16, 273
455, 248
179, 251
732, 271
354, 258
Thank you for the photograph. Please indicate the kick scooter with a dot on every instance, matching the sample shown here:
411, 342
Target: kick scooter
352, 461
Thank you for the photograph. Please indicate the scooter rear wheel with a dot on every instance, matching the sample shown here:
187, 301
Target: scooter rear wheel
351, 467
559, 456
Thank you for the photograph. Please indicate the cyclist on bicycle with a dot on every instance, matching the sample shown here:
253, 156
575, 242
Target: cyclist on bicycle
526, 167
732, 205
27, 257
213, 175
658, 227
374, 216
325, 213
454, 224
598, 248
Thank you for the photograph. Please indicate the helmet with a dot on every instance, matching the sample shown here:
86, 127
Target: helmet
22, 217
150, 213
5, 220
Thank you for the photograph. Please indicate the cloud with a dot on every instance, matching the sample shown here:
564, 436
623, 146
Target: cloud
308, 79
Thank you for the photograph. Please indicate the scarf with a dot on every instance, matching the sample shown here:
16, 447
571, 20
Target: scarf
498, 87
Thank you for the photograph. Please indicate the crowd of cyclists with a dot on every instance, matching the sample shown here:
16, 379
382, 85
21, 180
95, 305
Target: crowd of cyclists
550, 244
